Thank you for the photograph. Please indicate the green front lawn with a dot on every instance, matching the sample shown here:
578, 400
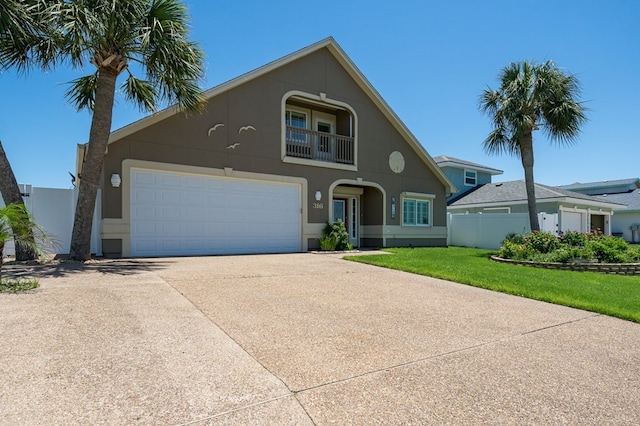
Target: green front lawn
615, 295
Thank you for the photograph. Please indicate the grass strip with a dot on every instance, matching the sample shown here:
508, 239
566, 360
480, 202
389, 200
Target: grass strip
613, 295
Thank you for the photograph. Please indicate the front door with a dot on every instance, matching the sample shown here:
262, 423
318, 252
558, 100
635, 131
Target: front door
346, 210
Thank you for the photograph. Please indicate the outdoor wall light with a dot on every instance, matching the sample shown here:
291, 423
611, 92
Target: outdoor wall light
115, 180
393, 207
318, 195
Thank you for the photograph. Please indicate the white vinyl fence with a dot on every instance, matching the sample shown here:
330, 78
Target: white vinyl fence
53, 210
488, 230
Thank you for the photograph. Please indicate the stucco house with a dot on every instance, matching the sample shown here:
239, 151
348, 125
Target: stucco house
626, 218
465, 175
277, 153
575, 211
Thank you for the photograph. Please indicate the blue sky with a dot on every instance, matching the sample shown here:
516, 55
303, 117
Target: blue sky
430, 60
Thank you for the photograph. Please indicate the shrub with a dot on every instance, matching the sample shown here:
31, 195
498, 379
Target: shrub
568, 247
512, 250
512, 237
608, 249
573, 238
335, 237
542, 242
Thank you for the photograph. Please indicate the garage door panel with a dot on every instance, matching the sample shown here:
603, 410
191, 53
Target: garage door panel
175, 214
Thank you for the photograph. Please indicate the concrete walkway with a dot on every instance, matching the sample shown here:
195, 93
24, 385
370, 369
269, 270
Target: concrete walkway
301, 339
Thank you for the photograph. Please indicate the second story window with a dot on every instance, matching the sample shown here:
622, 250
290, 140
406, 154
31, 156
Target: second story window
470, 178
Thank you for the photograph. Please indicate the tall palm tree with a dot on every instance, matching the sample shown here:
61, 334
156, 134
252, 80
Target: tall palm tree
116, 36
532, 97
22, 46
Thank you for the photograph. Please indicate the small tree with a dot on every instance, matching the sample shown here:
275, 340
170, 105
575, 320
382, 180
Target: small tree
16, 224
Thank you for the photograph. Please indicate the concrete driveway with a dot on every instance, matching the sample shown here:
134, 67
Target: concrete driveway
301, 339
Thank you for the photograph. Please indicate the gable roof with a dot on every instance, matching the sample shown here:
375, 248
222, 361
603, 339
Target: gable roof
332, 46
446, 161
602, 184
514, 192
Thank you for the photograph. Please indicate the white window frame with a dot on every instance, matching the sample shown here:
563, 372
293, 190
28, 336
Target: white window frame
475, 177
418, 198
302, 139
305, 111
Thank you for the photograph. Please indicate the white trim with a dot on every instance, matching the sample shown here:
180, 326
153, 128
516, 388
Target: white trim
300, 110
464, 177
359, 182
456, 165
416, 196
420, 195
317, 163
497, 209
567, 200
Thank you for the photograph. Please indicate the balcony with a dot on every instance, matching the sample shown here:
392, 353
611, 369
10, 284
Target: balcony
319, 146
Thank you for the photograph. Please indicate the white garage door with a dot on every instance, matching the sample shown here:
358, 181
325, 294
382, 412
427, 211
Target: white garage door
181, 214
571, 221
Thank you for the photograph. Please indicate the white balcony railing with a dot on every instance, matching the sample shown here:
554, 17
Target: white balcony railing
303, 143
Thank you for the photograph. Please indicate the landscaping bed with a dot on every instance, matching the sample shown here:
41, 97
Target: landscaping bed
606, 268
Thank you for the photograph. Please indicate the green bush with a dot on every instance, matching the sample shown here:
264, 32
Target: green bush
512, 237
542, 242
335, 237
515, 251
568, 247
609, 249
573, 238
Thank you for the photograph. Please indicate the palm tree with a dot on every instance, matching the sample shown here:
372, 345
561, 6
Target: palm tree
116, 36
531, 97
22, 46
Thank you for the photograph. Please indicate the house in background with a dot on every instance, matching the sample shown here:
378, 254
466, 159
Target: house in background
276, 154
626, 219
465, 175
575, 211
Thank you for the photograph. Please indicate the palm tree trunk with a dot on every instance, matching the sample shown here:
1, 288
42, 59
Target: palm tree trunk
11, 195
526, 154
92, 166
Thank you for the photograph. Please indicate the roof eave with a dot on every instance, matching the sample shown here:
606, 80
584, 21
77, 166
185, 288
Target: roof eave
489, 170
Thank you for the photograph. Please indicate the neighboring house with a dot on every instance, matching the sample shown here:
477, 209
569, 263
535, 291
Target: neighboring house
576, 212
626, 220
276, 154
465, 175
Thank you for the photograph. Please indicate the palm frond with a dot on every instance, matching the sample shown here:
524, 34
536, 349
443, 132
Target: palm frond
26, 36
18, 225
141, 92
81, 94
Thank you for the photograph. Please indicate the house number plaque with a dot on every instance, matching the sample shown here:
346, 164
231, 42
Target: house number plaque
318, 205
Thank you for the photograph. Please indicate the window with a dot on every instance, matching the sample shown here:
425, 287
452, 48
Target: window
416, 212
470, 178
296, 119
